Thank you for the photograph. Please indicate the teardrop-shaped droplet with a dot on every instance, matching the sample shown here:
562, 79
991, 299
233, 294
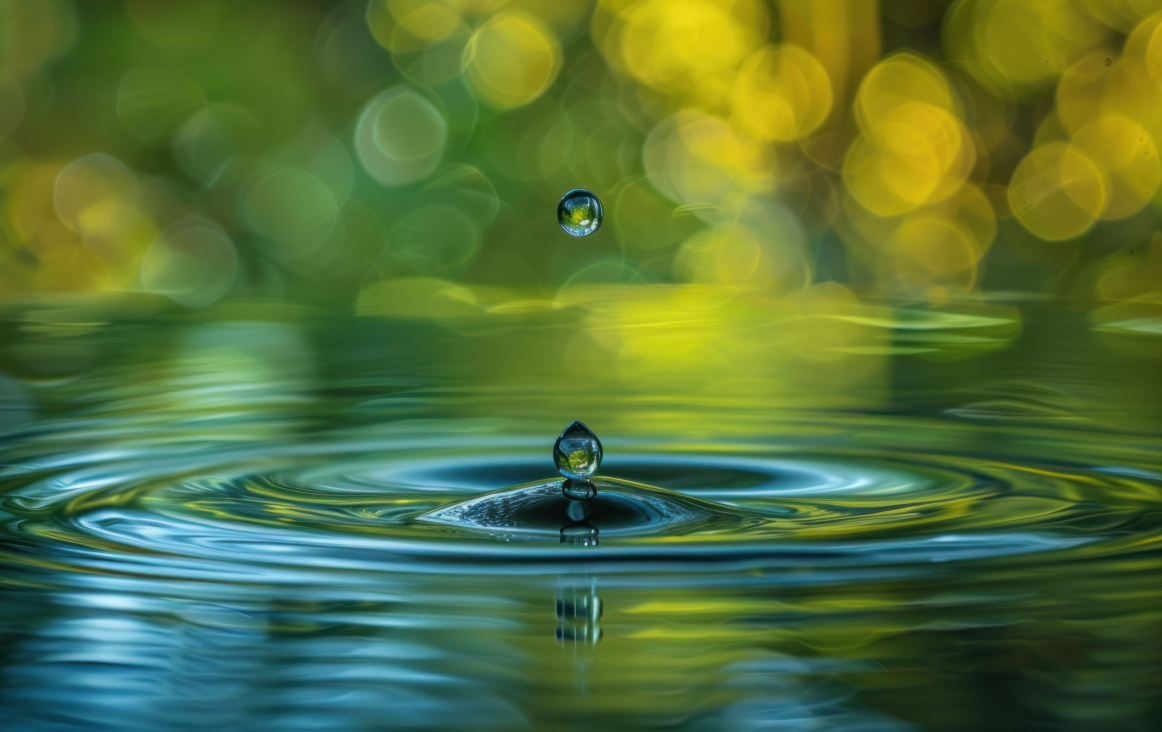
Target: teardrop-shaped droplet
579, 212
577, 452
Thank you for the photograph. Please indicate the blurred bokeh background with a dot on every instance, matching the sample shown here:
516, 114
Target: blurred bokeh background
405, 156
277, 277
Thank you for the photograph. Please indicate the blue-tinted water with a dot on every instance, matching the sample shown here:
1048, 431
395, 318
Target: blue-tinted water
262, 525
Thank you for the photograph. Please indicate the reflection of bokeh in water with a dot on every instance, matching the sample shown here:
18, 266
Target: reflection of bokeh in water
224, 520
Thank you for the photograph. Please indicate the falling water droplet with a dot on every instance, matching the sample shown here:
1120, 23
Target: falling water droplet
579, 212
577, 452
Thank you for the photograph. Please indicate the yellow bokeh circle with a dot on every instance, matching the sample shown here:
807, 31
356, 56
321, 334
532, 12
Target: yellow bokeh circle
426, 20
1129, 157
918, 154
694, 157
690, 48
665, 39
781, 93
511, 60
950, 237
899, 80
1031, 41
1057, 192
407, 26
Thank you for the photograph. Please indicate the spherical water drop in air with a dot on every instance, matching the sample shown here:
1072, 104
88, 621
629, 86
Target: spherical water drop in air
579, 212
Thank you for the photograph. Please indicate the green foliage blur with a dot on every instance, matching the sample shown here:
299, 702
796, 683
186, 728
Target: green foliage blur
405, 157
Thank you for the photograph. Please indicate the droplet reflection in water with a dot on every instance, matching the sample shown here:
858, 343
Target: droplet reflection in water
581, 533
579, 212
579, 611
577, 452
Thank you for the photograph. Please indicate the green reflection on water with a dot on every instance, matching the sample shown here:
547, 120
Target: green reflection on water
218, 518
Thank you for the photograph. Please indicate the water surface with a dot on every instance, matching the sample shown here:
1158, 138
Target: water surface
221, 525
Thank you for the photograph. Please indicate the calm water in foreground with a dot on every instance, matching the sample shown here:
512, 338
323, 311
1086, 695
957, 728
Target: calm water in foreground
907, 518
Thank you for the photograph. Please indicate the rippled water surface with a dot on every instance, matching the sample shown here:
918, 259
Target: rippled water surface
355, 525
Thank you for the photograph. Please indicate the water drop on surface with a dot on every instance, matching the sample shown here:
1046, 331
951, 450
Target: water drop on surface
579, 212
577, 452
